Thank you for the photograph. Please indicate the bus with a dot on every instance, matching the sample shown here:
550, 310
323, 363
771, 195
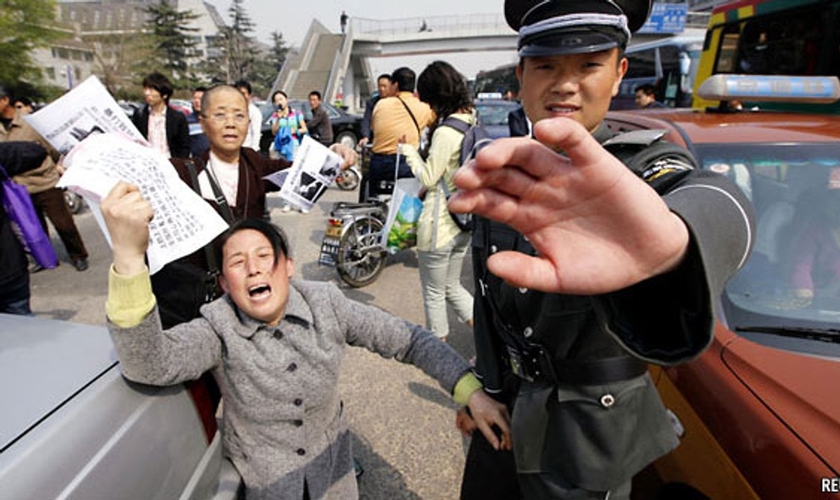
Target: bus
670, 64
773, 37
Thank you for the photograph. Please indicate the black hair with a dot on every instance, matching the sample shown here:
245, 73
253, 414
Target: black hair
278, 92
276, 237
315, 92
160, 83
405, 79
23, 100
200, 89
384, 75
647, 88
243, 84
444, 89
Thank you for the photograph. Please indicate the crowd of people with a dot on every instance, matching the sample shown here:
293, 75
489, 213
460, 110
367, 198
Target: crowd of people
568, 248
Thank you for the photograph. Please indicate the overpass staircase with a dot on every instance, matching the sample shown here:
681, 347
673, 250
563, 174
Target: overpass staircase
322, 56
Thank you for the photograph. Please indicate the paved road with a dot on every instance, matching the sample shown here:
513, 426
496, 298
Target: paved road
402, 420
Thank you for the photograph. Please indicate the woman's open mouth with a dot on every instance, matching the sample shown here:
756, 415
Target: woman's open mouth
259, 290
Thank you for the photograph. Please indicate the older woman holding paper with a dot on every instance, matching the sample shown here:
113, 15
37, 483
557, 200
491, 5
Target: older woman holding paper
229, 178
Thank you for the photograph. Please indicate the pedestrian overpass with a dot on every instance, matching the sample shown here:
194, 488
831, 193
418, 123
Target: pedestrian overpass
338, 64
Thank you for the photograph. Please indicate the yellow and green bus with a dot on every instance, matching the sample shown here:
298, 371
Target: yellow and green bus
773, 37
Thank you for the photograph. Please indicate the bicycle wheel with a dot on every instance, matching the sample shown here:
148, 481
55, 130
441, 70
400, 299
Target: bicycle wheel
360, 256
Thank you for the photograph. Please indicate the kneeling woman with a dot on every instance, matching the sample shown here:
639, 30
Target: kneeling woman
275, 346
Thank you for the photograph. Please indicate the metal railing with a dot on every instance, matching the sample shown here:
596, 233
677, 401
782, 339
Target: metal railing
464, 24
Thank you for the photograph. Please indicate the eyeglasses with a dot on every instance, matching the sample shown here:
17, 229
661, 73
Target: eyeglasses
238, 118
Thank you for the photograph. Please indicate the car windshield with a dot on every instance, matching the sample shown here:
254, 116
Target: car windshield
792, 278
494, 113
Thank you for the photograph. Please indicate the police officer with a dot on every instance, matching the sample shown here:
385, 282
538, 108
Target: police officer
585, 269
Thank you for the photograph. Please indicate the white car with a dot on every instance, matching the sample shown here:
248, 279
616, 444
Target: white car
72, 427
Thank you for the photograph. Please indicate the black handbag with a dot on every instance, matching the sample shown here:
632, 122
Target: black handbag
182, 286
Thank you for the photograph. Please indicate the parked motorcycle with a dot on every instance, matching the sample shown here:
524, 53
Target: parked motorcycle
352, 241
348, 179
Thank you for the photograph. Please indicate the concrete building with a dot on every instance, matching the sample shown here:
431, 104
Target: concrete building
100, 37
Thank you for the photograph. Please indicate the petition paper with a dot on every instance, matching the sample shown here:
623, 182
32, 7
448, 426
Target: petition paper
182, 223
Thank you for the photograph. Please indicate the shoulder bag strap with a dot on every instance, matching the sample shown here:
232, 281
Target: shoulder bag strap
219, 197
411, 115
208, 248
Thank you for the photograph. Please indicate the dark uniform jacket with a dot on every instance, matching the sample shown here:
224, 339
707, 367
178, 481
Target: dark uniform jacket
177, 130
591, 414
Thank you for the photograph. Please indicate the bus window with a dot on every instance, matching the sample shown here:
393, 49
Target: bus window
669, 63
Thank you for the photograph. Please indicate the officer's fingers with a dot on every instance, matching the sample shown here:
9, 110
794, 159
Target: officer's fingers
509, 179
564, 134
489, 203
524, 271
522, 153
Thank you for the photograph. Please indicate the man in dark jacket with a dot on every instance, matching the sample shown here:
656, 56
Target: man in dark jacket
383, 90
588, 270
319, 125
518, 123
164, 127
16, 157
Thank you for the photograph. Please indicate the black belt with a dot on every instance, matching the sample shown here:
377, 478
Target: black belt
599, 371
534, 364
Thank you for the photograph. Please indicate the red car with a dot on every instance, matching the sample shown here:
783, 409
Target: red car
758, 413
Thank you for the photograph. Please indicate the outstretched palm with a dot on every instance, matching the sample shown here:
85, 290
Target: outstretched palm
596, 226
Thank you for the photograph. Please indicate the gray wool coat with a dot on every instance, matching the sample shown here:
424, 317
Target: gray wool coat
283, 423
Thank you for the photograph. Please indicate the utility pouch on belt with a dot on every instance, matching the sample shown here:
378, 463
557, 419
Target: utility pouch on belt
531, 363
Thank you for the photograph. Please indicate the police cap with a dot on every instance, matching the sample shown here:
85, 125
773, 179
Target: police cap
554, 27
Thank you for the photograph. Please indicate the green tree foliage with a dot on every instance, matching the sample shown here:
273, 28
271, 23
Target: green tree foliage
266, 68
173, 44
25, 25
121, 61
240, 46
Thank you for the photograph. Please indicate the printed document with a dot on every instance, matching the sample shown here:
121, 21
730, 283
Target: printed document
313, 170
182, 223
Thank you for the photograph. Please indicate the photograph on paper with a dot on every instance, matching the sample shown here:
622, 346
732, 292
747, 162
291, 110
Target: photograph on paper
313, 170
87, 108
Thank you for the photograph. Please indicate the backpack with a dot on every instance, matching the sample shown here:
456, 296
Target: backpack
475, 138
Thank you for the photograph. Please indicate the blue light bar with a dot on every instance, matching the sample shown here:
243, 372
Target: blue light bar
771, 88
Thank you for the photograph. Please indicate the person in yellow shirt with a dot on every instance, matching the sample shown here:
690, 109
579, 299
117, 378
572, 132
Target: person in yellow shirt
399, 116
